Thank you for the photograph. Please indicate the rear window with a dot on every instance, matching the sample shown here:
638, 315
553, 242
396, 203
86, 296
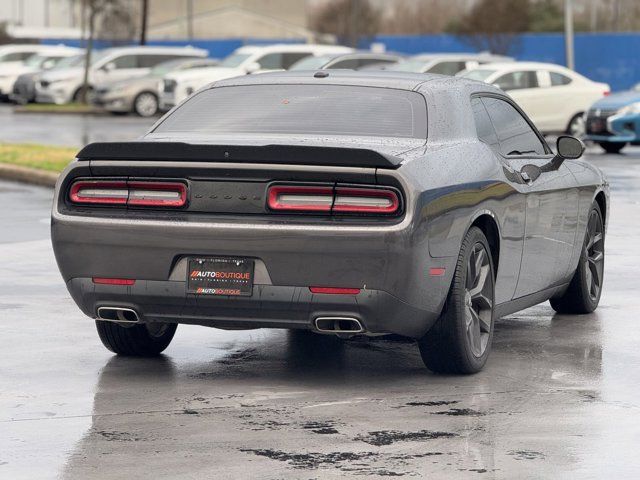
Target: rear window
302, 109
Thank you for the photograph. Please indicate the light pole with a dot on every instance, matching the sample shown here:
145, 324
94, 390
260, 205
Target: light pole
568, 33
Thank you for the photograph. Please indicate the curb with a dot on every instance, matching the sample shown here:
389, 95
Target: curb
31, 176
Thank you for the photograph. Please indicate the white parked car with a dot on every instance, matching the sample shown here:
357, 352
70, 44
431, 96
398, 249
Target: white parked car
45, 59
446, 63
554, 97
16, 54
64, 85
245, 60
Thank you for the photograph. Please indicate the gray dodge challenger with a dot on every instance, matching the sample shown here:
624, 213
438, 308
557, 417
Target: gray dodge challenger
347, 203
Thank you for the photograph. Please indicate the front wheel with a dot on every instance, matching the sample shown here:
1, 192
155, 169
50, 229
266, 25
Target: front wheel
138, 340
612, 147
460, 341
583, 293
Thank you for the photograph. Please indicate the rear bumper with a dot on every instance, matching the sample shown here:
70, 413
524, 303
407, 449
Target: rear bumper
269, 307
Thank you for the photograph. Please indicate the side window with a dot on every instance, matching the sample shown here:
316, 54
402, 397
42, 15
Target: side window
515, 135
350, 63
517, 80
271, 61
17, 56
363, 62
126, 61
289, 59
447, 68
557, 79
150, 61
484, 127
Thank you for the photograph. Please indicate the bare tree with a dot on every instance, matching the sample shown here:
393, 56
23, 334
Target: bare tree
349, 20
111, 16
424, 17
144, 15
493, 25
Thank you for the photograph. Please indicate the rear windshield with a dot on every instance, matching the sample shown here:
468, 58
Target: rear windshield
302, 109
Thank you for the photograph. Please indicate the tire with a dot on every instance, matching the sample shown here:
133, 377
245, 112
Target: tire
577, 126
611, 147
78, 94
145, 104
584, 290
460, 340
139, 340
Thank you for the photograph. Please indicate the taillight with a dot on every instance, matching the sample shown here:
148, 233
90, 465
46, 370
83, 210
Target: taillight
134, 193
365, 200
300, 198
340, 200
157, 194
107, 193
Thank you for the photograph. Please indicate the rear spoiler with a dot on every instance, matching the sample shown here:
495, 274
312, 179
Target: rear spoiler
278, 154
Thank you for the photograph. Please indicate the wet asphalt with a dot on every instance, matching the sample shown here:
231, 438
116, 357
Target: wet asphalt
557, 399
68, 129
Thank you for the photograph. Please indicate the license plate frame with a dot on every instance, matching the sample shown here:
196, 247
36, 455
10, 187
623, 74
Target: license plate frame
220, 276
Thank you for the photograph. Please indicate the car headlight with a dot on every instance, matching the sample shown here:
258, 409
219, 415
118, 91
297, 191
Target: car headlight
629, 109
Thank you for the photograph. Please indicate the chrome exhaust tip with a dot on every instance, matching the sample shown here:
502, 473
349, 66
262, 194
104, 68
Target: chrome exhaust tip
338, 325
118, 314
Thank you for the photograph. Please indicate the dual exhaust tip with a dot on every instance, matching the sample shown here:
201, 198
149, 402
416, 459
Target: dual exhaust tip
338, 325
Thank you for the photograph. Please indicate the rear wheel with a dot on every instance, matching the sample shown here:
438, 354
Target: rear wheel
145, 104
139, 340
583, 293
612, 147
460, 341
577, 126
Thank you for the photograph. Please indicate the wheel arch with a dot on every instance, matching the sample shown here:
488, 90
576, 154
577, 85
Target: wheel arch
486, 221
601, 199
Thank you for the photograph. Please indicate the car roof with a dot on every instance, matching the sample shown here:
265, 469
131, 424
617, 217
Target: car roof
294, 47
511, 66
368, 78
188, 50
460, 56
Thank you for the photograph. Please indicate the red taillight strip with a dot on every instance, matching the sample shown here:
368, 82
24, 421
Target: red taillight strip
276, 202
133, 193
342, 206
113, 281
335, 290
149, 200
366, 200
88, 191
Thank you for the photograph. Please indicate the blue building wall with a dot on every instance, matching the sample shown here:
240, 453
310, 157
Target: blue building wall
613, 58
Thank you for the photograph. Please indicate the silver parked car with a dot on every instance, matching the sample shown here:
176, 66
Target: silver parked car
140, 95
349, 61
446, 63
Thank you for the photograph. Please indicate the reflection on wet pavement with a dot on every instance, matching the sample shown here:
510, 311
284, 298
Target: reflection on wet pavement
557, 399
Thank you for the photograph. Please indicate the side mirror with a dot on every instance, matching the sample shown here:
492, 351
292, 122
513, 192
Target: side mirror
109, 67
48, 64
253, 67
568, 147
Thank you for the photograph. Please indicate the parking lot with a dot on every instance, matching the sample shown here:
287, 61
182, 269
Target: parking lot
557, 399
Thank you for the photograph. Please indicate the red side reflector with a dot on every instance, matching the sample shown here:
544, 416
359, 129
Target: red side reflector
335, 291
436, 271
365, 200
607, 93
300, 198
113, 281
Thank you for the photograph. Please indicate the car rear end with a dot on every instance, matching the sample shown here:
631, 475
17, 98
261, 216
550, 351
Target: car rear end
247, 235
